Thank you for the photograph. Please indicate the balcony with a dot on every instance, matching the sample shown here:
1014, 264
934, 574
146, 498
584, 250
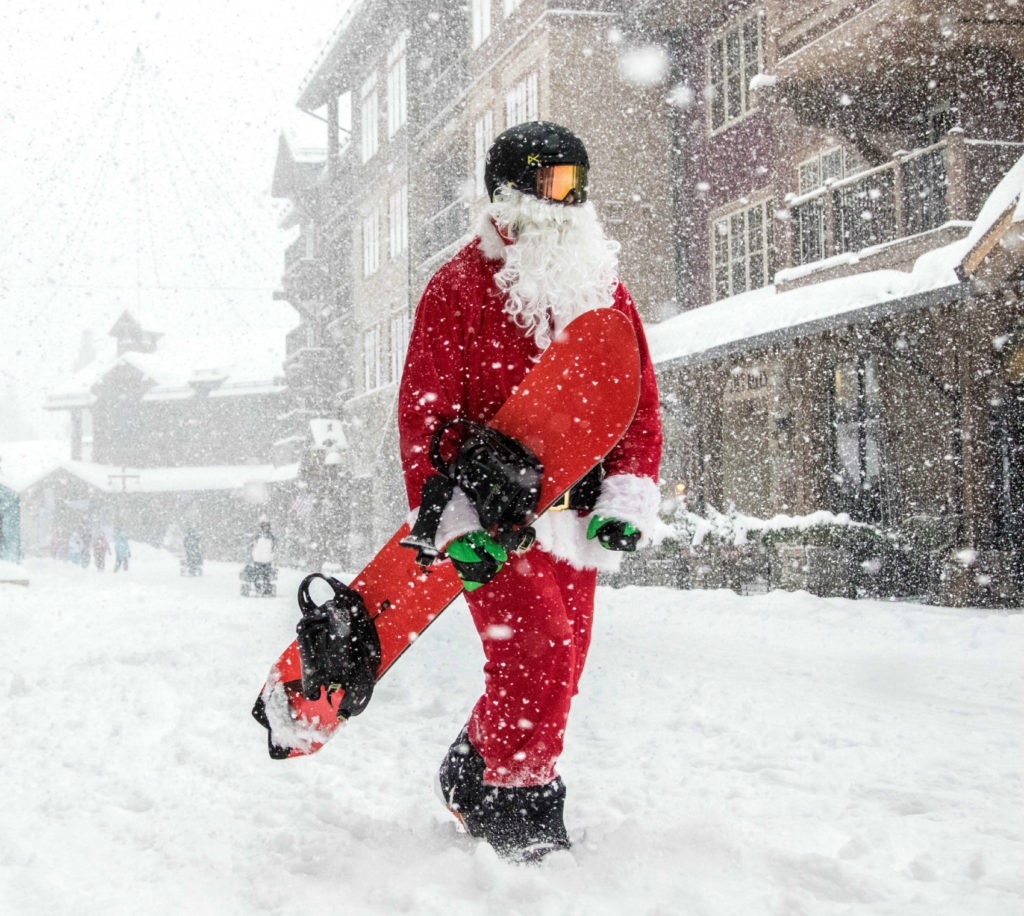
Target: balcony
888, 207
305, 279
858, 40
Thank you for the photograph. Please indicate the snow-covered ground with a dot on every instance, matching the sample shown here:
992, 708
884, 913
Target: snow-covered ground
778, 754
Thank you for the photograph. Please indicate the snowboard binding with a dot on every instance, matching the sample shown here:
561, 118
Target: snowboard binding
339, 648
500, 476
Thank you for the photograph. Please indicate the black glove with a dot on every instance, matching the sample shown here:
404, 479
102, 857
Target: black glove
614, 533
477, 558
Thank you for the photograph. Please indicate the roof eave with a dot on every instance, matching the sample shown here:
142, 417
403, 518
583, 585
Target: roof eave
859, 317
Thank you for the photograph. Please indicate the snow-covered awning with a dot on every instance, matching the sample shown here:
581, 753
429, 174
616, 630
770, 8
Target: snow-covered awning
765, 317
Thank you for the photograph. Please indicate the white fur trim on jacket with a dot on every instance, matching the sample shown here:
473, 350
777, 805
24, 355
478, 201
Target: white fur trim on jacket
633, 499
624, 496
492, 245
564, 534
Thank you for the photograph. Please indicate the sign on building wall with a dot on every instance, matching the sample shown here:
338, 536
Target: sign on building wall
747, 382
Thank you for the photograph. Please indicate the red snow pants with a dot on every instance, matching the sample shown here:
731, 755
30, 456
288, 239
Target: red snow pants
534, 619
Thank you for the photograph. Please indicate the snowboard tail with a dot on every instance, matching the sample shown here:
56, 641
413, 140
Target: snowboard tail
570, 409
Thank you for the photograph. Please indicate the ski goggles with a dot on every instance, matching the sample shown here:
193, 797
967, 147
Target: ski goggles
557, 182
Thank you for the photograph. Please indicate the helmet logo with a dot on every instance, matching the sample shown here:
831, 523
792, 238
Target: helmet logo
533, 159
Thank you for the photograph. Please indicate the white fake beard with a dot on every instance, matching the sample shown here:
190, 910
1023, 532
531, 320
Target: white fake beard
560, 266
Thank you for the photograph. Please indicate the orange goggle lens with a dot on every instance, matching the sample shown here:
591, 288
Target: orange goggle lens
557, 182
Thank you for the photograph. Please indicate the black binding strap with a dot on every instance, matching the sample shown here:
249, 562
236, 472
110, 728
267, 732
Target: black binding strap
500, 476
338, 646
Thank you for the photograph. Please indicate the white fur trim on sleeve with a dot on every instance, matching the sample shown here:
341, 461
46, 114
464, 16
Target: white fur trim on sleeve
633, 499
459, 518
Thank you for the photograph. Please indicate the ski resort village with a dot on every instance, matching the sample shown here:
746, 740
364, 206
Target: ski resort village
722, 585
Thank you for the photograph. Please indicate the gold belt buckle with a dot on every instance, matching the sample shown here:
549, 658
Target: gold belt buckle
562, 504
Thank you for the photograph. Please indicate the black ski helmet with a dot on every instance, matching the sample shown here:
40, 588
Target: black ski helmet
520, 152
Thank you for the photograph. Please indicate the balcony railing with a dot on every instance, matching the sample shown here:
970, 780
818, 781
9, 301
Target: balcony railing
911, 194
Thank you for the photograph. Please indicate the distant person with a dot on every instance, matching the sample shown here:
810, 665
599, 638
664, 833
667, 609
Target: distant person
100, 549
122, 552
193, 547
260, 571
263, 544
75, 548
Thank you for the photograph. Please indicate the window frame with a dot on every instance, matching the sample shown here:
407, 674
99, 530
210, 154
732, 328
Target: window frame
371, 242
818, 161
742, 74
398, 339
483, 137
479, 22
857, 437
397, 84
372, 375
521, 101
727, 244
398, 222
369, 119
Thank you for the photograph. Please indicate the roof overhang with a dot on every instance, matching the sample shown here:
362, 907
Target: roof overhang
320, 82
861, 316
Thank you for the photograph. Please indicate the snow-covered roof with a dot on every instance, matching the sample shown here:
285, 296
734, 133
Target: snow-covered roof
301, 156
115, 479
245, 364
1001, 220
23, 463
762, 315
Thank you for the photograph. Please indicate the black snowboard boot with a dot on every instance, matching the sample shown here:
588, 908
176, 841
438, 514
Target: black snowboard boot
522, 823
461, 779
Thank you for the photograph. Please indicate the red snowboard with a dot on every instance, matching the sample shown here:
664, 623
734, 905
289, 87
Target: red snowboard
570, 410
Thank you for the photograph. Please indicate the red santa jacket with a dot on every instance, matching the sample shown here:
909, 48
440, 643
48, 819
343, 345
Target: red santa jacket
466, 355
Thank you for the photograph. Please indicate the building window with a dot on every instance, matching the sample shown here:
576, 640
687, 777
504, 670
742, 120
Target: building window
734, 58
483, 136
399, 222
809, 216
741, 250
857, 428
480, 20
397, 100
521, 102
511, 6
399, 344
371, 359
371, 243
813, 173
369, 116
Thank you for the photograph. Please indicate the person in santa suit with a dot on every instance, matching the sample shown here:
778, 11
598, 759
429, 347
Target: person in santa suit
539, 260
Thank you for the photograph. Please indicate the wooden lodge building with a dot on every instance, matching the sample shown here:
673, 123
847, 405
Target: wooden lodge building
161, 444
819, 205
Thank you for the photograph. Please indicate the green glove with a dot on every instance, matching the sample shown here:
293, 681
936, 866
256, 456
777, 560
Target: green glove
477, 558
613, 533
